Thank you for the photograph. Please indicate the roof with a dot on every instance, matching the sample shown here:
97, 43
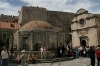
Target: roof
36, 24
98, 15
8, 25
81, 11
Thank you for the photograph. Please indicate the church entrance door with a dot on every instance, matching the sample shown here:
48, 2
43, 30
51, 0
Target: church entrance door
84, 41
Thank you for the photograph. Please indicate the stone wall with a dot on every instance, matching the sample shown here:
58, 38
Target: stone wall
34, 39
59, 20
32, 13
98, 29
15, 41
9, 35
8, 18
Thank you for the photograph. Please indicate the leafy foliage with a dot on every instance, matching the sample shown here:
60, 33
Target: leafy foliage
4, 42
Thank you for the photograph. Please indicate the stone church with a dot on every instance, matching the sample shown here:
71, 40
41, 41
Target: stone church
36, 27
85, 28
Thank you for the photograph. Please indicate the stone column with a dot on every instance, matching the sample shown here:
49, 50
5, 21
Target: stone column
58, 39
31, 40
10, 42
47, 40
63, 38
19, 46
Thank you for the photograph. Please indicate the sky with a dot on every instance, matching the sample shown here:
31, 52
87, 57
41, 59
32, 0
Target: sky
11, 7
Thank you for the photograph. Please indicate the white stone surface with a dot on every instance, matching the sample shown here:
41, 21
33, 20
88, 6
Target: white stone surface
75, 62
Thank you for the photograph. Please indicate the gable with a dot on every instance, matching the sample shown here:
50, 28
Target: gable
81, 11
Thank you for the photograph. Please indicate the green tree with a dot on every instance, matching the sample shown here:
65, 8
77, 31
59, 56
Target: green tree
4, 42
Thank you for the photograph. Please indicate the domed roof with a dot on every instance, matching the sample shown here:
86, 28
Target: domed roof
36, 24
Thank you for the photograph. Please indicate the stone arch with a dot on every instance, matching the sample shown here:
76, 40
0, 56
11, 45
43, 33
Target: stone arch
84, 41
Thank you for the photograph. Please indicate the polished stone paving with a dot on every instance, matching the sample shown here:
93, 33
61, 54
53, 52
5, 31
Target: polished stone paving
75, 62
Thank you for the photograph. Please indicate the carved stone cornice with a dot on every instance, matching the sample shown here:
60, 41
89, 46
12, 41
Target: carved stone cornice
91, 17
86, 28
74, 22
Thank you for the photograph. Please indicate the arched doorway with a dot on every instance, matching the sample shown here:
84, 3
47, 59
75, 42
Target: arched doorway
83, 42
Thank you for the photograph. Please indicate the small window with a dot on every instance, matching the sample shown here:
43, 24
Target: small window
4, 34
11, 25
6, 21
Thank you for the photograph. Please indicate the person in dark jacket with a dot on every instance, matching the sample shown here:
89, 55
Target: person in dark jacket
0, 56
59, 51
91, 54
63, 51
98, 55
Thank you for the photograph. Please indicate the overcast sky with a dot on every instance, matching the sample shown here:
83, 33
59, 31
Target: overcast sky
11, 7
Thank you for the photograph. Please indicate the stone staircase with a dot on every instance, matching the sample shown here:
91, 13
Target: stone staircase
48, 60
54, 60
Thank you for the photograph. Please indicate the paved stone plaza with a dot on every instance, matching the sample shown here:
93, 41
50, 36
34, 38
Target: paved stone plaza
75, 62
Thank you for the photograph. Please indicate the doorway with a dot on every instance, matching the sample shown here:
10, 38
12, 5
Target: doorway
83, 42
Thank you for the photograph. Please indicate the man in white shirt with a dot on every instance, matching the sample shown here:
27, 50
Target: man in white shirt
5, 56
43, 52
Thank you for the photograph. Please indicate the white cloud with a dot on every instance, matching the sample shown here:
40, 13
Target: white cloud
7, 8
62, 5
97, 11
55, 5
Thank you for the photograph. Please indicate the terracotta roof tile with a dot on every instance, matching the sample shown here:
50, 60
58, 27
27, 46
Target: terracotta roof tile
9, 25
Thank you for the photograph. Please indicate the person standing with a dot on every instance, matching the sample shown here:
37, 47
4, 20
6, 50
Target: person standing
5, 54
63, 51
98, 55
24, 58
0, 56
76, 52
43, 52
59, 51
91, 54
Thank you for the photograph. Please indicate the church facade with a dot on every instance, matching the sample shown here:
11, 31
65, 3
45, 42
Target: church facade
85, 29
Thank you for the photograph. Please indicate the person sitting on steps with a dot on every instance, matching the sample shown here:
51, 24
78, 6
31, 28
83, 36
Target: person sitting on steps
30, 58
18, 58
